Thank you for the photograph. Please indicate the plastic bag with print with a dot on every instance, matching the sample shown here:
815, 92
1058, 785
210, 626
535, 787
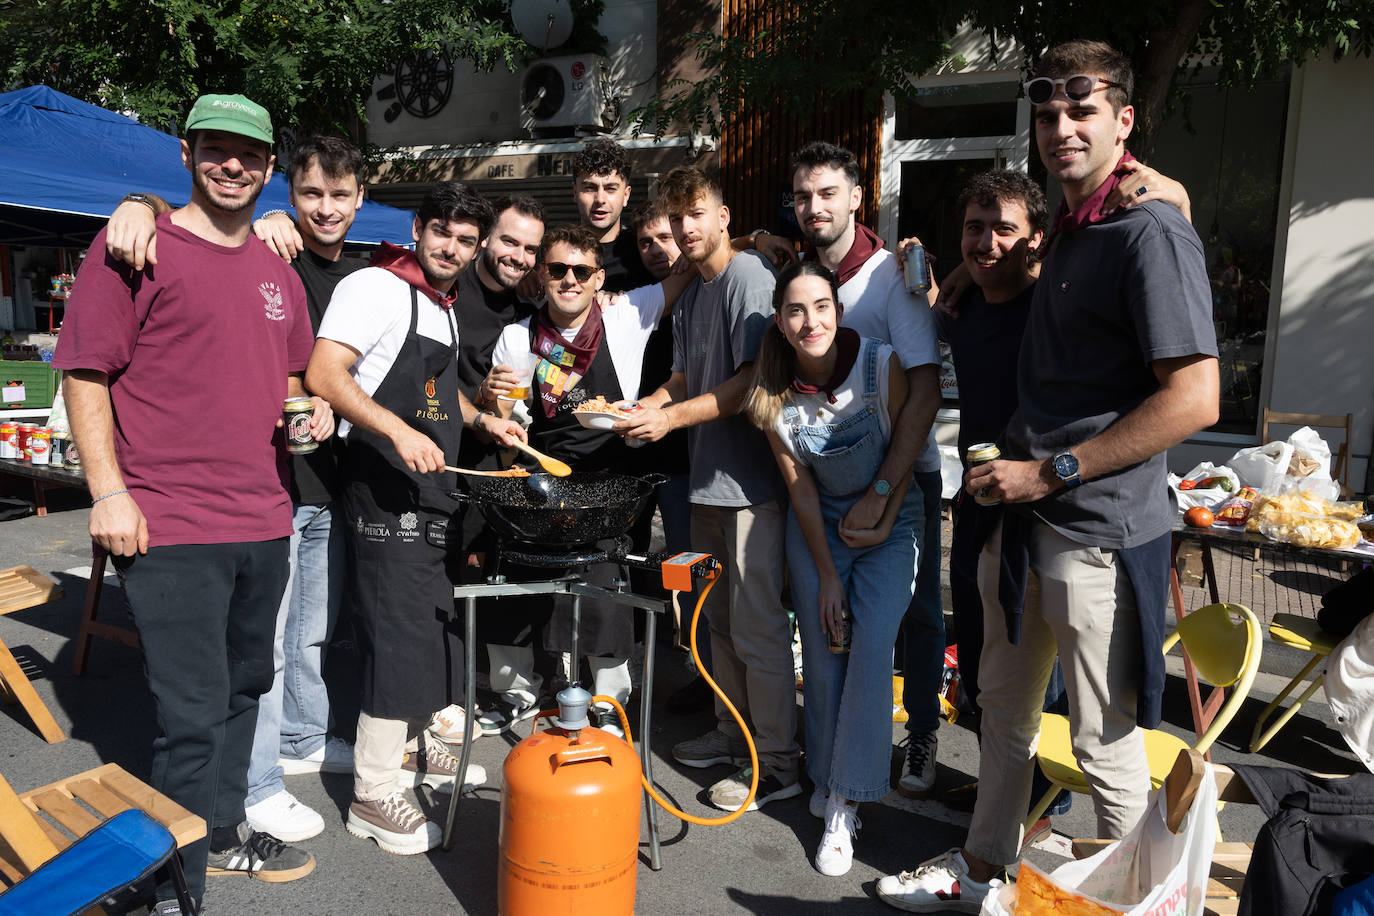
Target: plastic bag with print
1148, 872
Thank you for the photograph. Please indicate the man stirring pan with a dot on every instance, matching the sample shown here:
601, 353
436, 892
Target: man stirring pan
388, 354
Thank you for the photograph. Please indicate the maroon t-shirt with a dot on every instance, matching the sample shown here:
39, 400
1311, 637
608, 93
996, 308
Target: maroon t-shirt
197, 350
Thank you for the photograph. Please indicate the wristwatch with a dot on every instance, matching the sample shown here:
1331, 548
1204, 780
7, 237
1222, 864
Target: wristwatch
1065, 467
882, 487
141, 199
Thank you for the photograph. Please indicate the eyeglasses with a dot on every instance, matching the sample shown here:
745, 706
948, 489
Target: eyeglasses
1076, 88
583, 272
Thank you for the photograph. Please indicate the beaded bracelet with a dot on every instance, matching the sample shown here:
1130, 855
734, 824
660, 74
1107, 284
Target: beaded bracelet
107, 496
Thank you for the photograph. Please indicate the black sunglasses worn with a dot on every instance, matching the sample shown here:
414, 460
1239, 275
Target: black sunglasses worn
557, 270
1076, 88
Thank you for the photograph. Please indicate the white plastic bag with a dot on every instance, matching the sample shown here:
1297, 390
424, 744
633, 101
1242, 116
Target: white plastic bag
1148, 871
1211, 497
1262, 466
1309, 468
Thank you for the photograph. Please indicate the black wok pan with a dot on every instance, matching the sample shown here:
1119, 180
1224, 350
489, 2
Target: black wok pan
582, 508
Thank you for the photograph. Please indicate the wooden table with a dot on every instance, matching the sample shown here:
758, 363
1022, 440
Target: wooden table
44, 478
1205, 710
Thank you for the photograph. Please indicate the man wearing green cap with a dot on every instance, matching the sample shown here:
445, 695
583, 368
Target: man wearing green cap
175, 377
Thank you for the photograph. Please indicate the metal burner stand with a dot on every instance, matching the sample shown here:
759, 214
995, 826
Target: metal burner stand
572, 585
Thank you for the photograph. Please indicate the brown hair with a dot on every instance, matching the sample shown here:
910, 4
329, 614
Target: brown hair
776, 365
1096, 58
681, 187
649, 213
580, 238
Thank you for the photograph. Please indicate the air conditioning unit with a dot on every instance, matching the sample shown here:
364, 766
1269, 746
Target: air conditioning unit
559, 95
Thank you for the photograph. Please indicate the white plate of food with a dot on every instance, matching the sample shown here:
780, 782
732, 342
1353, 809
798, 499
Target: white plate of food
599, 414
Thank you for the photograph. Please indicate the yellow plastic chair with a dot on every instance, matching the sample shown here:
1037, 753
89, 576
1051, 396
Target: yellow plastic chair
1300, 633
1224, 642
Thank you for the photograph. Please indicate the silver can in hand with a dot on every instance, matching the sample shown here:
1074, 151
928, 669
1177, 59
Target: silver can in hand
978, 454
916, 270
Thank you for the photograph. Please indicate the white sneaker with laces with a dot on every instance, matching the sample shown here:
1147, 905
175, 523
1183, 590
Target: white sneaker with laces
447, 725
285, 817
835, 855
935, 886
436, 768
334, 756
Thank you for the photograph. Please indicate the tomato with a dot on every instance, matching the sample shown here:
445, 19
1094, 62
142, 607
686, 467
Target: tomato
1199, 517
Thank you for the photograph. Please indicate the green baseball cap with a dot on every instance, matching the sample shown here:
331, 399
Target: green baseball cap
233, 114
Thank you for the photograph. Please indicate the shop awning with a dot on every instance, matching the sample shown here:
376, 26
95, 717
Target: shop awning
66, 164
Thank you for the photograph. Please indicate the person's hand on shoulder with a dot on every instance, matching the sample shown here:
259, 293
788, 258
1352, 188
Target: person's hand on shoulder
278, 230
131, 235
776, 249
1144, 183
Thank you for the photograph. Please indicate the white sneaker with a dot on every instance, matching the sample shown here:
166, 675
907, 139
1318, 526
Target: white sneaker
816, 805
447, 725
334, 756
937, 885
919, 778
835, 855
285, 817
395, 824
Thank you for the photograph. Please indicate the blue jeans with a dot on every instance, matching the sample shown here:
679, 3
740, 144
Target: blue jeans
293, 717
848, 711
923, 626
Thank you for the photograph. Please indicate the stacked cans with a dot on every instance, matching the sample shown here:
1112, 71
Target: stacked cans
25, 442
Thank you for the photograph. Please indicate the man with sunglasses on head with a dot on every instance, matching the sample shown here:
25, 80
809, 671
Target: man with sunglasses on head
1117, 364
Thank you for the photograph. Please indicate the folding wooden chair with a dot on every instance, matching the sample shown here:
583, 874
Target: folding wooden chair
23, 587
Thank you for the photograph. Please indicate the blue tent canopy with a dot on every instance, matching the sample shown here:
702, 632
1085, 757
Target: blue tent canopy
66, 164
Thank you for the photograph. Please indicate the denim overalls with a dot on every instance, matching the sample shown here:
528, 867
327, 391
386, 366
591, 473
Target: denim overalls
848, 712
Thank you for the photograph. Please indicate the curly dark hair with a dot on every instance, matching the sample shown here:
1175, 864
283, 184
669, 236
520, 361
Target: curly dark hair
601, 157
987, 188
579, 238
1095, 58
819, 154
453, 201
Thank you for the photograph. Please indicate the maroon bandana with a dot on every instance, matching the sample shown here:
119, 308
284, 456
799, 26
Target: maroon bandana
1091, 210
847, 347
404, 264
562, 363
865, 246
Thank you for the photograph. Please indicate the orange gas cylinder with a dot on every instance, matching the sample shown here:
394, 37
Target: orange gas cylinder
569, 825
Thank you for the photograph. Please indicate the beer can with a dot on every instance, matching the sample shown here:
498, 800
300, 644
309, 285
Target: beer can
61, 444
40, 445
978, 454
916, 270
296, 414
9, 440
72, 459
22, 441
839, 645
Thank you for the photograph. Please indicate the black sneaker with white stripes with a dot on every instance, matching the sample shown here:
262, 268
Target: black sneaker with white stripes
261, 856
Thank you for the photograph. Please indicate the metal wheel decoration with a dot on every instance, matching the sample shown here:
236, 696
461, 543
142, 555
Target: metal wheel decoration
424, 82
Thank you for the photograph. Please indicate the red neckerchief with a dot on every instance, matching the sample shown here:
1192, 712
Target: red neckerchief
847, 347
1091, 210
562, 364
403, 263
865, 246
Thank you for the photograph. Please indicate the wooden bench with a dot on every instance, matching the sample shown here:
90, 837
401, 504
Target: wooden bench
23, 587
44, 478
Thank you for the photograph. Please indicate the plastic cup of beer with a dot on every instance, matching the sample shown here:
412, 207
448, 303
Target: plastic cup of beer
524, 368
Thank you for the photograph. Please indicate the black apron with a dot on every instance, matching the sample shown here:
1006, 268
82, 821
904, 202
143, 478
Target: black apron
401, 574
607, 629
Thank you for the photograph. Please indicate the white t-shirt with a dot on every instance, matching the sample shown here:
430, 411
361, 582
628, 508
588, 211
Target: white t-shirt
627, 324
816, 409
878, 304
370, 312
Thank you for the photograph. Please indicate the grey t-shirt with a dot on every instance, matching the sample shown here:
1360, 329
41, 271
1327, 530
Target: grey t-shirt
717, 327
1112, 298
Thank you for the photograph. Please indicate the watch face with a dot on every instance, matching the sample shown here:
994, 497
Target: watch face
882, 487
1065, 465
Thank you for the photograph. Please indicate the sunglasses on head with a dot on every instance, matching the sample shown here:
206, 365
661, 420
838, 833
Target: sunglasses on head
557, 270
1076, 88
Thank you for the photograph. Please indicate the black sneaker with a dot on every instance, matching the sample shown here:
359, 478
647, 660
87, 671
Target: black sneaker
261, 856
170, 908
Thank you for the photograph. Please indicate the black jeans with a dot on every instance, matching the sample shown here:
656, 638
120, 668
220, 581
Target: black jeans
206, 615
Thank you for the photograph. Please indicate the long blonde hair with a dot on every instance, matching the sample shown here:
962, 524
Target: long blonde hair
777, 363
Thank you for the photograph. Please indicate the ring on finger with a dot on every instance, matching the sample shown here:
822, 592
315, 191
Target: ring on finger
1141, 191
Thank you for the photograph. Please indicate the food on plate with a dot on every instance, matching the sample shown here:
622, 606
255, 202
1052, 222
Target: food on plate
1236, 509
1038, 895
1199, 517
599, 404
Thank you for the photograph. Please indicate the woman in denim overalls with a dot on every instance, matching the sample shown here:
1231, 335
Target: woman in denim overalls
827, 401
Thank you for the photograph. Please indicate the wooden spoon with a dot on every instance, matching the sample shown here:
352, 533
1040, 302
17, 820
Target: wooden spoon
509, 472
552, 465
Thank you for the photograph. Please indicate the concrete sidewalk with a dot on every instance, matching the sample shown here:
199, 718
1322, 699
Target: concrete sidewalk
760, 864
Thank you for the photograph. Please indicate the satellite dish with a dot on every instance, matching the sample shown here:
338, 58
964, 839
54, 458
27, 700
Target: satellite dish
543, 23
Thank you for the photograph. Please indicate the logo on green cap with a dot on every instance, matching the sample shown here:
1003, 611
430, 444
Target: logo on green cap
235, 114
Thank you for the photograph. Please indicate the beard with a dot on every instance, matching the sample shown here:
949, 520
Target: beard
214, 196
